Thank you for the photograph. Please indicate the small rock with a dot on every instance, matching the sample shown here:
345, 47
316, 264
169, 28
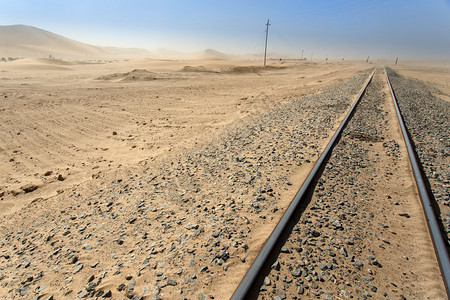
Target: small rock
78, 269
24, 290
201, 296
91, 286
95, 264
327, 296
367, 279
107, 294
296, 272
171, 282
29, 188
281, 294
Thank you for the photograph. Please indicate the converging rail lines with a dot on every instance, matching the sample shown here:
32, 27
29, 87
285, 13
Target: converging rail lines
257, 275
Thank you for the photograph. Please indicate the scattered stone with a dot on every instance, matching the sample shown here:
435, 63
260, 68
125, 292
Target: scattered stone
276, 266
91, 286
29, 188
171, 282
78, 269
284, 249
107, 294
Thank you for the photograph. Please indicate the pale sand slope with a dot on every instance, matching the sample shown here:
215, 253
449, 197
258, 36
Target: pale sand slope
19, 41
27, 41
58, 120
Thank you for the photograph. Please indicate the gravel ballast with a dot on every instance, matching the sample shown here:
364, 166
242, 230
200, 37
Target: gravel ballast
363, 235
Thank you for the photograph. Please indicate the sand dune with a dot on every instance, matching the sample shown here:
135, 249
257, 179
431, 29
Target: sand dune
27, 41
19, 41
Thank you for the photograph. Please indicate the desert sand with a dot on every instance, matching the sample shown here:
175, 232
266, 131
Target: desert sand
77, 122
86, 149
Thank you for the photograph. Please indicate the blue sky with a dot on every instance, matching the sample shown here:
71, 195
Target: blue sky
334, 29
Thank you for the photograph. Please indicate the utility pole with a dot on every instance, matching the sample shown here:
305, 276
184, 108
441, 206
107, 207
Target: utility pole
265, 48
302, 55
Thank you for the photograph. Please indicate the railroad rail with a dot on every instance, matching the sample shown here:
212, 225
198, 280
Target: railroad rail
249, 286
433, 226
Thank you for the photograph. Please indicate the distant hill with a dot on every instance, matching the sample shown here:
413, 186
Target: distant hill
28, 41
21, 41
211, 54
172, 54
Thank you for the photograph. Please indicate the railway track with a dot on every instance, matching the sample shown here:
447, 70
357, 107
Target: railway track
348, 231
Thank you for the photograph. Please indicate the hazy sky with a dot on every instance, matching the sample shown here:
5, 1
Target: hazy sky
333, 29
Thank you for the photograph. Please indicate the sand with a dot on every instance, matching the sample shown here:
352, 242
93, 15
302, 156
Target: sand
71, 128
79, 121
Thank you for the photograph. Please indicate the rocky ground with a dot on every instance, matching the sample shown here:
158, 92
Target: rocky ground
185, 226
427, 119
363, 234
188, 224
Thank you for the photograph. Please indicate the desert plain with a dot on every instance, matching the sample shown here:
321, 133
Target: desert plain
80, 121
88, 149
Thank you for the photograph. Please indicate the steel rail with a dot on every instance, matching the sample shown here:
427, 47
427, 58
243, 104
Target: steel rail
250, 284
436, 235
